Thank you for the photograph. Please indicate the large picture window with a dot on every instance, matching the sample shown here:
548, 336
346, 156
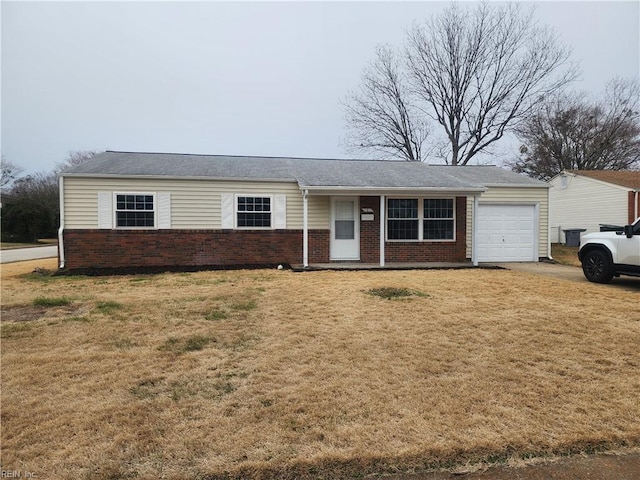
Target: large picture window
428, 219
253, 212
135, 210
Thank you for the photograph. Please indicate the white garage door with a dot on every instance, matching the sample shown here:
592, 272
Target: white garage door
506, 233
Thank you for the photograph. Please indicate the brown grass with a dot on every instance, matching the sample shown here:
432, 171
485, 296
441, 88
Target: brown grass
271, 373
565, 255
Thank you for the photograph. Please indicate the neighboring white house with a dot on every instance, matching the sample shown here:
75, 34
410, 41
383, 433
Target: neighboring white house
586, 199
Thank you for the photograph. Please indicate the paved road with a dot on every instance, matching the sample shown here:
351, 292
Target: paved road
21, 254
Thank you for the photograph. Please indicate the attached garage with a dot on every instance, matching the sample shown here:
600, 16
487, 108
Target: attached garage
512, 222
507, 233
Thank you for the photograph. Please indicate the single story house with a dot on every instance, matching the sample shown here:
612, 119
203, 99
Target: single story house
585, 199
159, 210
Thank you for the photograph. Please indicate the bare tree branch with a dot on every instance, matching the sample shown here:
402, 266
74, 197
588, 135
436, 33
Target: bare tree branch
75, 158
380, 116
482, 72
9, 172
475, 73
571, 132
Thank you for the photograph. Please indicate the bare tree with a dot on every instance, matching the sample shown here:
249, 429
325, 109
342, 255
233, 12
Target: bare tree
380, 116
9, 172
571, 132
475, 73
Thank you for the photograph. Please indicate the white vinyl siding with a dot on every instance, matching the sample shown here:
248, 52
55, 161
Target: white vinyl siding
195, 204
516, 196
585, 203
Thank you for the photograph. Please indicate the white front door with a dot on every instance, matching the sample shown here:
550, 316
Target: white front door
345, 229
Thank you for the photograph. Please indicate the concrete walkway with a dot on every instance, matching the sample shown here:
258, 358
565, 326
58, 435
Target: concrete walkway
376, 266
22, 254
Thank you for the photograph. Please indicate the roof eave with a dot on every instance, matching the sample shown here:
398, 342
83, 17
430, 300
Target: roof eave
576, 173
382, 190
177, 177
517, 185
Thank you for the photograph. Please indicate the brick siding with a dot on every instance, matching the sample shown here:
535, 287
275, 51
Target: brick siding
121, 249
370, 231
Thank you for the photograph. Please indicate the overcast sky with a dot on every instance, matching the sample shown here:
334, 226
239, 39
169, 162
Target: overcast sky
228, 78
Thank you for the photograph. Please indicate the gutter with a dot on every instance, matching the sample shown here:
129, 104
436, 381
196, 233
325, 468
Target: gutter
391, 191
178, 177
549, 207
61, 229
305, 228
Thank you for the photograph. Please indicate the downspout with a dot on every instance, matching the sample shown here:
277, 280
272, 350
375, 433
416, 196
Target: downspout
474, 234
637, 204
382, 222
549, 212
61, 229
305, 228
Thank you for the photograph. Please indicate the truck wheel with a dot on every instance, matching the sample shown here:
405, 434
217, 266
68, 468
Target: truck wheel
597, 267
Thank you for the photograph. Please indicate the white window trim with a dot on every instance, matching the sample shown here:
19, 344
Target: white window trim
115, 211
386, 230
421, 220
254, 195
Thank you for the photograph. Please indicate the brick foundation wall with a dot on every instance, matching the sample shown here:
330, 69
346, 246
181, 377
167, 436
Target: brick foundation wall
121, 249
319, 241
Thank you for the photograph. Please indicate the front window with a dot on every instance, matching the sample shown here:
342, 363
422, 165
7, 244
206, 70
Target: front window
402, 219
426, 219
254, 212
438, 221
135, 210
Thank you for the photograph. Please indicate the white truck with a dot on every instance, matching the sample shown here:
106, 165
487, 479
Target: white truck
605, 255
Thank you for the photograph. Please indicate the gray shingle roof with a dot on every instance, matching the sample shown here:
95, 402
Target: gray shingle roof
308, 173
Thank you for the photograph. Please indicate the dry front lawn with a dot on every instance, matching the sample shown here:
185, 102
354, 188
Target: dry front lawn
565, 255
259, 374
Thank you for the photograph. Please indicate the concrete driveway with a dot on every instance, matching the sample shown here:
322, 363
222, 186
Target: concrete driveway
22, 254
566, 272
